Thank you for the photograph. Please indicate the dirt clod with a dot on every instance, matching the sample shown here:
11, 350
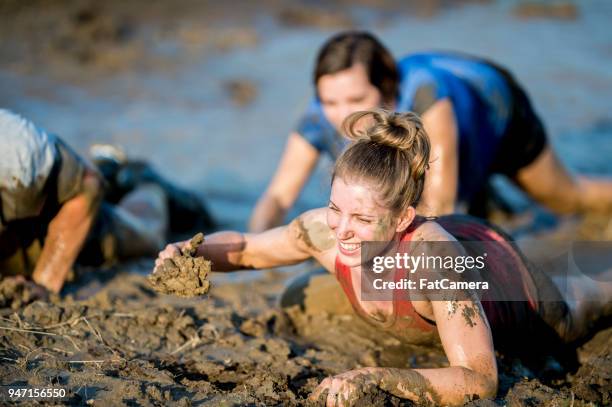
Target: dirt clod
184, 275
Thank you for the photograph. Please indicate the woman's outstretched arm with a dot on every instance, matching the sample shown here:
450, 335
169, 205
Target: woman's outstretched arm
284, 245
296, 165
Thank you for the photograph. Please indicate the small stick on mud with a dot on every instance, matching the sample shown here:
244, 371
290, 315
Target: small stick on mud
123, 315
184, 275
95, 361
94, 331
25, 347
19, 322
194, 341
72, 342
29, 331
62, 351
8, 320
71, 322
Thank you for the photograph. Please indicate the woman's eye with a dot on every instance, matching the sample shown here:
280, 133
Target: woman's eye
363, 220
333, 208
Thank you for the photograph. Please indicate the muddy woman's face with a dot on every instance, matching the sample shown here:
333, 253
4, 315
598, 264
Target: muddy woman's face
355, 215
346, 92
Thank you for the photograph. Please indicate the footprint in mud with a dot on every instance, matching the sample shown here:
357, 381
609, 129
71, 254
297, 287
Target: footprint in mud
183, 275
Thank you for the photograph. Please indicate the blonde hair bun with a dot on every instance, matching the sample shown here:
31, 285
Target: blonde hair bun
390, 148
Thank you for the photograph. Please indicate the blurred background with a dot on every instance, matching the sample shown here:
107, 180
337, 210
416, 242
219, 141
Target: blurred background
208, 91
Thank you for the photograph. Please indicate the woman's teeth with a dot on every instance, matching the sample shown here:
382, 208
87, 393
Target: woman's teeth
350, 246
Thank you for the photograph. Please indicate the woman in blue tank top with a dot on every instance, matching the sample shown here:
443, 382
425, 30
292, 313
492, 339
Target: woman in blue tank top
479, 120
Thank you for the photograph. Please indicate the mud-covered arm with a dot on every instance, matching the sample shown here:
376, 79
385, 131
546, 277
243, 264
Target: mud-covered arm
442, 179
472, 373
463, 329
305, 237
66, 233
464, 332
466, 338
294, 169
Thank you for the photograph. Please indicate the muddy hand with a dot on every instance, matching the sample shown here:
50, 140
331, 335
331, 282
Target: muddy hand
191, 248
344, 389
171, 250
187, 248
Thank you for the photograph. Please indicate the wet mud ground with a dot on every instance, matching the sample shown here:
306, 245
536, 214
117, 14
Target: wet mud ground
158, 75
128, 345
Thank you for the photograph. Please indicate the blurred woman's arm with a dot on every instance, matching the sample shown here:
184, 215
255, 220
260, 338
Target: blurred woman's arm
294, 169
441, 182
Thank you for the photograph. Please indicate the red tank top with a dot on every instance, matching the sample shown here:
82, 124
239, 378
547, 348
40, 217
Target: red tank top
502, 316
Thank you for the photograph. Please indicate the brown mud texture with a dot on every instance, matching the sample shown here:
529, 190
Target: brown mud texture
127, 345
184, 275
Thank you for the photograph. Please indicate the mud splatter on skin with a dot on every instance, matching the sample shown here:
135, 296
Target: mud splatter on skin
452, 307
409, 384
184, 275
382, 228
316, 235
470, 312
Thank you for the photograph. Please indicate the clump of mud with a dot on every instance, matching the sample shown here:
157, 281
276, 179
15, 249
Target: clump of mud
593, 380
184, 275
16, 292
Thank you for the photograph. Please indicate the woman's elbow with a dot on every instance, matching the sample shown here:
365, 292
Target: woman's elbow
488, 384
490, 387
482, 381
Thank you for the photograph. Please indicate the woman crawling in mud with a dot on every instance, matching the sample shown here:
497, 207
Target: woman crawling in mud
376, 184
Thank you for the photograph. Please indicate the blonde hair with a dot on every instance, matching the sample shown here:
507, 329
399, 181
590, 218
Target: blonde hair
391, 151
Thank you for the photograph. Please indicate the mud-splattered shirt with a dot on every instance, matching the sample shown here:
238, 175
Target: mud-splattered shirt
38, 173
482, 103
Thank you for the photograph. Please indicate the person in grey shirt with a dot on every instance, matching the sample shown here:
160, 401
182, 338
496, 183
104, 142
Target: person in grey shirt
54, 209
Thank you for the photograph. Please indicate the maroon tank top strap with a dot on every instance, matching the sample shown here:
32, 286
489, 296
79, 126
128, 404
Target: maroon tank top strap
343, 275
405, 314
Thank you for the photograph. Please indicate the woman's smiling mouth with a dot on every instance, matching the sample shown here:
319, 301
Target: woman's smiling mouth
349, 248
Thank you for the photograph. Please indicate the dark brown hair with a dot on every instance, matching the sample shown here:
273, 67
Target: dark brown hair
392, 153
348, 48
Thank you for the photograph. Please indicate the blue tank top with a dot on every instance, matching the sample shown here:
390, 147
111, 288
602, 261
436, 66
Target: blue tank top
482, 103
